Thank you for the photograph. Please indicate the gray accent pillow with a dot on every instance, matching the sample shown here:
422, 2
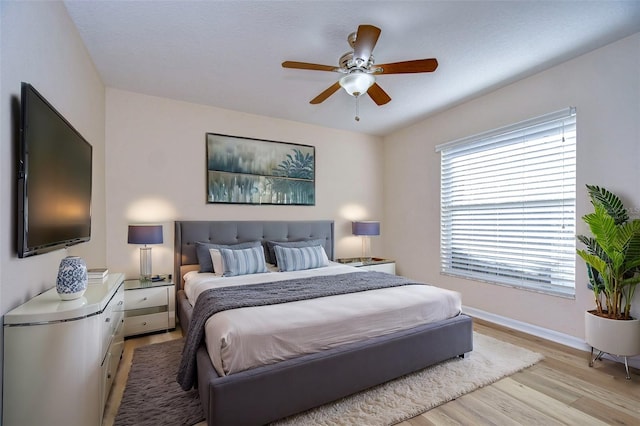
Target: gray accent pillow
270, 253
204, 257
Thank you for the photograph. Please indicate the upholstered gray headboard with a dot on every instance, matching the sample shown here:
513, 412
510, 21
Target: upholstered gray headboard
188, 232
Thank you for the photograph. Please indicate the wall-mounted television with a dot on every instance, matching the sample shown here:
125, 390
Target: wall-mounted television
54, 178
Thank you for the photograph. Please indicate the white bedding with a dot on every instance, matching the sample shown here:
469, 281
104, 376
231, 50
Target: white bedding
244, 338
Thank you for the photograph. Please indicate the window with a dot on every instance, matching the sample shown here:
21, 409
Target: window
508, 205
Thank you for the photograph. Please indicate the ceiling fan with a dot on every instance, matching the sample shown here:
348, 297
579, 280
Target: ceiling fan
359, 68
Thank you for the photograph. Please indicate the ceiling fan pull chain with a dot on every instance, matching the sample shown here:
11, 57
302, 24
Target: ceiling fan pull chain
357, 108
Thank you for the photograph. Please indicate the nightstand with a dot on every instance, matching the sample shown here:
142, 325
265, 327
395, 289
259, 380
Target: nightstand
375, 264
149, 306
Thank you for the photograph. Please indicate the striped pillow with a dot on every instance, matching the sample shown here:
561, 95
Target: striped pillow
243, 262
270, 253
204, 257
298, 258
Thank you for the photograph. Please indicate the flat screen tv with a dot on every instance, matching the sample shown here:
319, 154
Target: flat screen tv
54, 179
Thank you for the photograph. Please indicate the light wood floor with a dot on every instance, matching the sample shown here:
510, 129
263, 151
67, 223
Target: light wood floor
561, 389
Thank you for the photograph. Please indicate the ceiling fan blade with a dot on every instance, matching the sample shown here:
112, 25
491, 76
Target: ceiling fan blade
407, 67
307, 66
378, 95
366, 40
324, 95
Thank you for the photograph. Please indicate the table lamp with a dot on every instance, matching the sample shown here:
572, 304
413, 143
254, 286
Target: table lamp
145, 234
366, 229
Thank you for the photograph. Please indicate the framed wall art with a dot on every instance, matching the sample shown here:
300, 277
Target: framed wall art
255, 171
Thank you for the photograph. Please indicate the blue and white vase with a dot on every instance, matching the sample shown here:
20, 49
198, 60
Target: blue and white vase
72, 278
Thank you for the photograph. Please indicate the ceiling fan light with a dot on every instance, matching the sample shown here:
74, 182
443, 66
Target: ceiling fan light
357, 83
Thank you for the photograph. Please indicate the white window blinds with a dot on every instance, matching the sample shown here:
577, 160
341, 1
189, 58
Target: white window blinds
508, 204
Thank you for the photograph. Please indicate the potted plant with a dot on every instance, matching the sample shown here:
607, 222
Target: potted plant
612, 256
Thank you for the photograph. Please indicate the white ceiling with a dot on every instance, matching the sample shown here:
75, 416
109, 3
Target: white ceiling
228, 54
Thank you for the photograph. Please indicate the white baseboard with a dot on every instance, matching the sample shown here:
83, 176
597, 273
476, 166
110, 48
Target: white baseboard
545, 333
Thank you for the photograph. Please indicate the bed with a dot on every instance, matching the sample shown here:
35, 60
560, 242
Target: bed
261, 394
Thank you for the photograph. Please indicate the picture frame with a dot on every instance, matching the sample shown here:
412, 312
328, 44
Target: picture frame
258, 171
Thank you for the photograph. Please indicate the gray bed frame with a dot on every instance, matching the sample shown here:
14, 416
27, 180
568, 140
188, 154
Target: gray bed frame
264, 394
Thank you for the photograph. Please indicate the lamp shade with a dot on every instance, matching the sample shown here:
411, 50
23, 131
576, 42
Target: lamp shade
145, 234
365, 228
357, 83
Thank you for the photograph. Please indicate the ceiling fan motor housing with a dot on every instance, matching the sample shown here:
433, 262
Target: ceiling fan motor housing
347, 63
351, 39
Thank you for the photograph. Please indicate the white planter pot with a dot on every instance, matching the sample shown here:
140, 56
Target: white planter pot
615, 337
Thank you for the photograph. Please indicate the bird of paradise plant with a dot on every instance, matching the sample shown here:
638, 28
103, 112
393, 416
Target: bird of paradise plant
612, 254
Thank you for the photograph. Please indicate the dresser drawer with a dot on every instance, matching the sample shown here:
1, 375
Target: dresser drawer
145, 298
106, 379
140, 324
111, 318
110, 366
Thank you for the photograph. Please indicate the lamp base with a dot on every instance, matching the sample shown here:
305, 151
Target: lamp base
366, 249
145, 263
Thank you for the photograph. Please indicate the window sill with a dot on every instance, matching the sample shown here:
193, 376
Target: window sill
564, 293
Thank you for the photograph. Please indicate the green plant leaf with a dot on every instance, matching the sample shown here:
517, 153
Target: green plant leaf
612, 204
603, 228
597, 263
593, 247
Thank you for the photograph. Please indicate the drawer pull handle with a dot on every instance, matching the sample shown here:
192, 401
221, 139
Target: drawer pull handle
144, 323
107, 319
144, 298
120, 302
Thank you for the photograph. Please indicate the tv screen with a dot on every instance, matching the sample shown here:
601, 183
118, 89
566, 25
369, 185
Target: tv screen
54, 179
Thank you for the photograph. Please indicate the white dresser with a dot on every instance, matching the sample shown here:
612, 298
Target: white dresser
60, 357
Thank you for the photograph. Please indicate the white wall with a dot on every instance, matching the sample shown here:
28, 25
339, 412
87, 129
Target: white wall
604, 85
156, 173
40, 45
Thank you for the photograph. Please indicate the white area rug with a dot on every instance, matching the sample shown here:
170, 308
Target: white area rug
403, 398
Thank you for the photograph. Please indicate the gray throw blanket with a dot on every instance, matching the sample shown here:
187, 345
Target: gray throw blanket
220, 299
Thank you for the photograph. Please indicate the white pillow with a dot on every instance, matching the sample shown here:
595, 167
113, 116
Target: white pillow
218, 263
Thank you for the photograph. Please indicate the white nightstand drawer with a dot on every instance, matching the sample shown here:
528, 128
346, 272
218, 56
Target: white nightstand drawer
145, 298
149, 306
146, 323
377, 264
389, 268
